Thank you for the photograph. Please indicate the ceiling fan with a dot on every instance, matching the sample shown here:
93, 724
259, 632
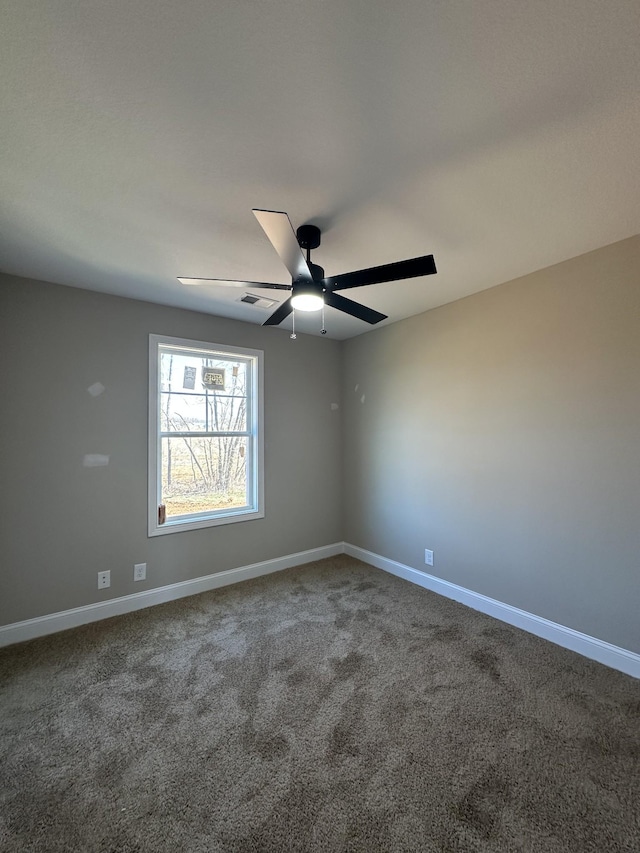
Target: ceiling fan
310, 290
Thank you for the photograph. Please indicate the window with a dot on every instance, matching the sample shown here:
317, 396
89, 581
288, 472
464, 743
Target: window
205, 435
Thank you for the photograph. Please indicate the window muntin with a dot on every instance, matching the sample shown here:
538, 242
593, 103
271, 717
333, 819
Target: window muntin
205, 436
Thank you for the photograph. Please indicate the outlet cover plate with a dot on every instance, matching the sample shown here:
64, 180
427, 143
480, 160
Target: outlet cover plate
140, 571
428, 557
104, 580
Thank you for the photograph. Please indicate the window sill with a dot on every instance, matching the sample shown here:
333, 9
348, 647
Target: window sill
197, 522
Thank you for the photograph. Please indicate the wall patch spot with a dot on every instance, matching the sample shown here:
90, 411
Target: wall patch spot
96, 389
95, 460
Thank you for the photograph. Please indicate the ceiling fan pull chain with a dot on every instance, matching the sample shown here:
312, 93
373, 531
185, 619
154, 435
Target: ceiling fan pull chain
293, 325
323, 331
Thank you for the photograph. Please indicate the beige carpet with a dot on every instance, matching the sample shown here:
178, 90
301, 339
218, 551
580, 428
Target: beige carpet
326, 708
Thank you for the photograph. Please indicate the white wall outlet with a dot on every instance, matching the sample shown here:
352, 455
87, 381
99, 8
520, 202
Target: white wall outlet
428, 557
140, 571
104, 580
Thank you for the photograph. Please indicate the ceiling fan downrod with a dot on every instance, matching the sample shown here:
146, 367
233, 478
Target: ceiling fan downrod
308, 237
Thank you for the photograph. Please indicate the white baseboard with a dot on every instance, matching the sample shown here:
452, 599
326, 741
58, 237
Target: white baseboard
590, 647
54, 622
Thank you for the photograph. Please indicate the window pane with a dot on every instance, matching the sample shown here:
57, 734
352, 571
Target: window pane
194, 373
182, 413
202, 413
204, 474
200, 394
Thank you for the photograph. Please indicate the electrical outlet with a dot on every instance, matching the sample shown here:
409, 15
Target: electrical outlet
104, 580
140, 571
428, 557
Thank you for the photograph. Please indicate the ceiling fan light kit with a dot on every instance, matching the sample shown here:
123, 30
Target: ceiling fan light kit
310, 289
307, 296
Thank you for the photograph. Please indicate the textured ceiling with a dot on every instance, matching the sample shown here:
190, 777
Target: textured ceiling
137, 135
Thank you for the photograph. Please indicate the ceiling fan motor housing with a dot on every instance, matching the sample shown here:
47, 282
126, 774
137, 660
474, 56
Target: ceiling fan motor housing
316, 271
301, 286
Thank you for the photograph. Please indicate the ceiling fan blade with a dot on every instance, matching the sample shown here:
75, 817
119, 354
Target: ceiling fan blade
387, 272
223, 282
277, 226
353, 308
281, 312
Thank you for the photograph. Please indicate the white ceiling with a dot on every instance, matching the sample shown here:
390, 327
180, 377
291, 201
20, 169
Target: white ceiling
137, 135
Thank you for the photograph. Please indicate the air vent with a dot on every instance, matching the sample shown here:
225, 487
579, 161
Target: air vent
257, 301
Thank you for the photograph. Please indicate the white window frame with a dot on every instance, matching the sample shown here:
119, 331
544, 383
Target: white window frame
255, 430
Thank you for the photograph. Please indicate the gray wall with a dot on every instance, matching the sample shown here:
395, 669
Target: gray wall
61, 523
503, 432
